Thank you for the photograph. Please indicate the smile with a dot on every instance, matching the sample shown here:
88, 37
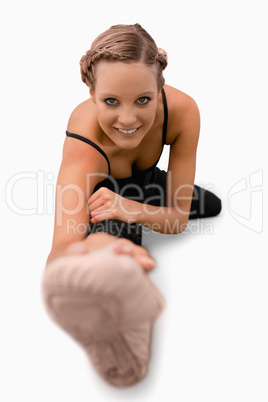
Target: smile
127, 131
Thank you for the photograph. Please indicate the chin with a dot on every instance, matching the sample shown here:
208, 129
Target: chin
128, 144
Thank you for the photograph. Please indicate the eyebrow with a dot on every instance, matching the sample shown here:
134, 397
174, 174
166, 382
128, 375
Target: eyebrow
137, 96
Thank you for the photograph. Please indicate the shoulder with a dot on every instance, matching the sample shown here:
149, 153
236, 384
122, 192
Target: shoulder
183, 113
83, 118
83, 121
179, 102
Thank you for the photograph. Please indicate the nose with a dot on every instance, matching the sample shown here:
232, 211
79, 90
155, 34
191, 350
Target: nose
127, 118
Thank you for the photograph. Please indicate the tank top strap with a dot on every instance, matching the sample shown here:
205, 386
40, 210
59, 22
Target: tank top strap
81, 138
164, 133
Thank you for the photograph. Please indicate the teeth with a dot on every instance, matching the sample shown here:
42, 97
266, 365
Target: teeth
127, 131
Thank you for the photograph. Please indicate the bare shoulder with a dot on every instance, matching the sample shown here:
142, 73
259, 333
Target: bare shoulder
83, 118
83, 121
183, 112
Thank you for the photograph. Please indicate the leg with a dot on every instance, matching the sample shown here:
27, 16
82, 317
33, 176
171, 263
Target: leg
204, 202
108, 304
99, 293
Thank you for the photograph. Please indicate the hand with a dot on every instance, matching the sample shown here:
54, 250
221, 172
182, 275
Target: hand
139, 253
105, 204
120, 246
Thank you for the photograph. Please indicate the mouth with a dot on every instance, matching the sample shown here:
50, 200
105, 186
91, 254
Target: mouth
127, 132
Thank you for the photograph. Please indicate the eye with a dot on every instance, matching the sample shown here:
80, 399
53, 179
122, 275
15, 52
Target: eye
144, 100
110, 101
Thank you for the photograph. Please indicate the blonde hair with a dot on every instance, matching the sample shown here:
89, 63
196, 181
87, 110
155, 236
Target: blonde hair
124, 43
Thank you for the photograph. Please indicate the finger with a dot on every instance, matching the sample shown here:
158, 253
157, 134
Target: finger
101, 210
140, 254
102, 216
93, 202
98, 194
94, 196
124, 249
95, 205
77, 248
147, 263
143, 252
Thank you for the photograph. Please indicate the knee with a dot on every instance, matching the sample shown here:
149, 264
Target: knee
204, 204
219, 208
213, 204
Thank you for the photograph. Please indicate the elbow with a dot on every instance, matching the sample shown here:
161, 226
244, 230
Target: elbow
182, 226
183, 222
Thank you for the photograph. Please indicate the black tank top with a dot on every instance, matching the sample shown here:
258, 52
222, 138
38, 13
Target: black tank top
135, 171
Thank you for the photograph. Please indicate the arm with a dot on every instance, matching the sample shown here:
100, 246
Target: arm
173, 218
74, 186
81, 169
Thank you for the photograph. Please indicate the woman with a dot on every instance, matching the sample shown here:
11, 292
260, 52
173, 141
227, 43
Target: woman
126, 119
108, 182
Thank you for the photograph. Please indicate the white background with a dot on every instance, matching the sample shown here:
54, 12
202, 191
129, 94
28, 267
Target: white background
210, 343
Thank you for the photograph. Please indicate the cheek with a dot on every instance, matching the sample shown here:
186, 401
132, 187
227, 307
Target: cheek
104, 117
149, 115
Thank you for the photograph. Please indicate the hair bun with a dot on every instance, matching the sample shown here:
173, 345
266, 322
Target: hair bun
162, 57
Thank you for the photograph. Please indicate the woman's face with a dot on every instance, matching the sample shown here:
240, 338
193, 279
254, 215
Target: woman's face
126, 97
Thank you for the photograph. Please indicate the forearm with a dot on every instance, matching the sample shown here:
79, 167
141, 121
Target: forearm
105, 205
168, 220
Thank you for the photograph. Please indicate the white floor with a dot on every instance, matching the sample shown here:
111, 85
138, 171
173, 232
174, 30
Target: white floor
210, 343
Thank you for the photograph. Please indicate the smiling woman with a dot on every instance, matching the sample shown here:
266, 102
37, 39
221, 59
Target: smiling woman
109, 185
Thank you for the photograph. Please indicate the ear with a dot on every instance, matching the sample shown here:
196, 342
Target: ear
92, 95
